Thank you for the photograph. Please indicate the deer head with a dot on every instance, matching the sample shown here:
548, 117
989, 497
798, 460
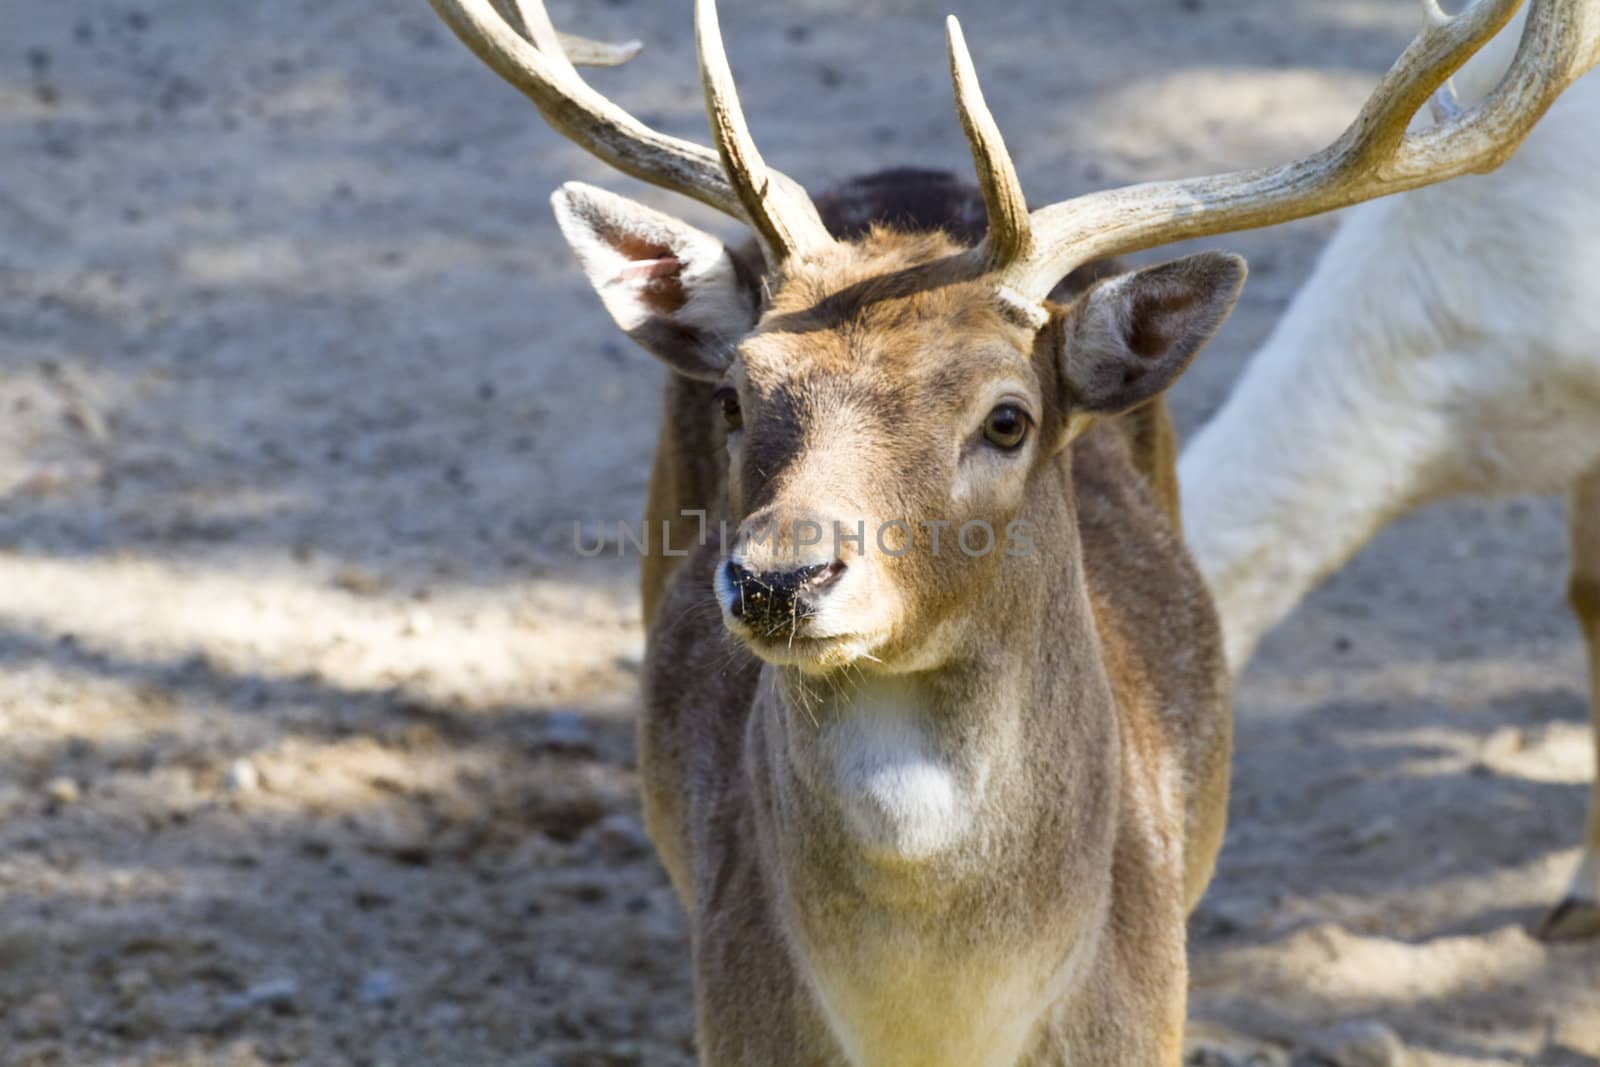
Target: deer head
882, 393
892, 437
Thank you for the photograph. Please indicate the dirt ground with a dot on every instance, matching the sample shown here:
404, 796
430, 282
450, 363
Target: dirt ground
315, 734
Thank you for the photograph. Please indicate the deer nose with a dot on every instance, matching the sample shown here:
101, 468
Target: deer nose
775, 599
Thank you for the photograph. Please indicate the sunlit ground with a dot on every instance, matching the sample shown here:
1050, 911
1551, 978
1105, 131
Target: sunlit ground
316, 738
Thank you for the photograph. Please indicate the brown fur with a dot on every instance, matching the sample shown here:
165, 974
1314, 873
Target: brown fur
687, 472
1119, 792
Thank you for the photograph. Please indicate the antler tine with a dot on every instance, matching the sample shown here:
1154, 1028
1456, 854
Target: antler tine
779, 209
1560, 44
1376, 156
584, 116
586, 53
532, 23
515, 39
1010, 231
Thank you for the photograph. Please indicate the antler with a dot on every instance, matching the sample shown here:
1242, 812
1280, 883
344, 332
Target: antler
1010, 235
1376, 156
517, 41
778, 208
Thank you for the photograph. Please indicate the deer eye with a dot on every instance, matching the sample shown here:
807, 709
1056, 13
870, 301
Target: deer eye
728, 400
1006, 427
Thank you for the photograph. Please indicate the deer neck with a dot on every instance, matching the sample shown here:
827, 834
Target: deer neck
1333, 430
919, 831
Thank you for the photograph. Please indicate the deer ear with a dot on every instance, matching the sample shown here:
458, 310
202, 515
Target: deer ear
674, 289
1129, 337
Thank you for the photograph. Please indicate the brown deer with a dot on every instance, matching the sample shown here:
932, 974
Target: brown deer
944, 804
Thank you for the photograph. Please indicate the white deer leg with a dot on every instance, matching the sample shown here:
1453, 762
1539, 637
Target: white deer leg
1578, 914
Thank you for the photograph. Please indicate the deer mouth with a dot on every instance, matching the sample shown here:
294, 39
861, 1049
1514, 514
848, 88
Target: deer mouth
809, 654
784, 627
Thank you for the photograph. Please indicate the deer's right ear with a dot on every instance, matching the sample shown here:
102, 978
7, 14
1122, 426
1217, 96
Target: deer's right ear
674, 289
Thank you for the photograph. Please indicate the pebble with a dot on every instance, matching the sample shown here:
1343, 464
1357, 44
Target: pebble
445, 1015
1229, 915
1375, 833
1360, 1043
43, 1017
281, 995
566, 731
242, 777
63, 790
1212, 1045
618, 836
378, 989
131, 986
1227, 1056
607, 1053
12, 800
357, 581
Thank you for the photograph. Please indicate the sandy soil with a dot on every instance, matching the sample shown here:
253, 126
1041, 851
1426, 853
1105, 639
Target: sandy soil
316, 738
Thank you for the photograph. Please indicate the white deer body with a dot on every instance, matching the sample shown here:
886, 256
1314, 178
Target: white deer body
1447, 343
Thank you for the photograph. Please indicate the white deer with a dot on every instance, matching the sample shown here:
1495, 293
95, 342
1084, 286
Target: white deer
1447, 343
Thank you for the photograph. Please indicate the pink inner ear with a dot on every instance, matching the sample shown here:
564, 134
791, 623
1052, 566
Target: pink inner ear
1160, 318
665, 267
659, 272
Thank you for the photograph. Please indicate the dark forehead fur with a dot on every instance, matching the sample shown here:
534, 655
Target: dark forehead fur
881, 294
902, 266
901, 273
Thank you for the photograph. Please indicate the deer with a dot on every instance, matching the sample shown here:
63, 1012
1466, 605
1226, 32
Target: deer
1444, 345
944, 806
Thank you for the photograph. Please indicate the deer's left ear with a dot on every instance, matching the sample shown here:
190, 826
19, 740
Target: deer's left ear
1129, 337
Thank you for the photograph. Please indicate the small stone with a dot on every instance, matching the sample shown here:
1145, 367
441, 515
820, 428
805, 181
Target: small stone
12, 800
280, 995
445, 1015
1204, 1055
618, 837
1504, 743
63, 790
1375, 833
1211, 1045
1360, 1043
242, 777
566, 732
357, 581
1224, 916
378, 989
131, 986
43, 1017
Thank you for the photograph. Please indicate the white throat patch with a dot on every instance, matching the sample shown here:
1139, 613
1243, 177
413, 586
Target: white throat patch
900, 796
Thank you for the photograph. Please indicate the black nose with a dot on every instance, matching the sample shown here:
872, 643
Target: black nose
773, 601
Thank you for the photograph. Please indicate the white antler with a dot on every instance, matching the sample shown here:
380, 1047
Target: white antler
1376, 156
778, 208
517, 41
